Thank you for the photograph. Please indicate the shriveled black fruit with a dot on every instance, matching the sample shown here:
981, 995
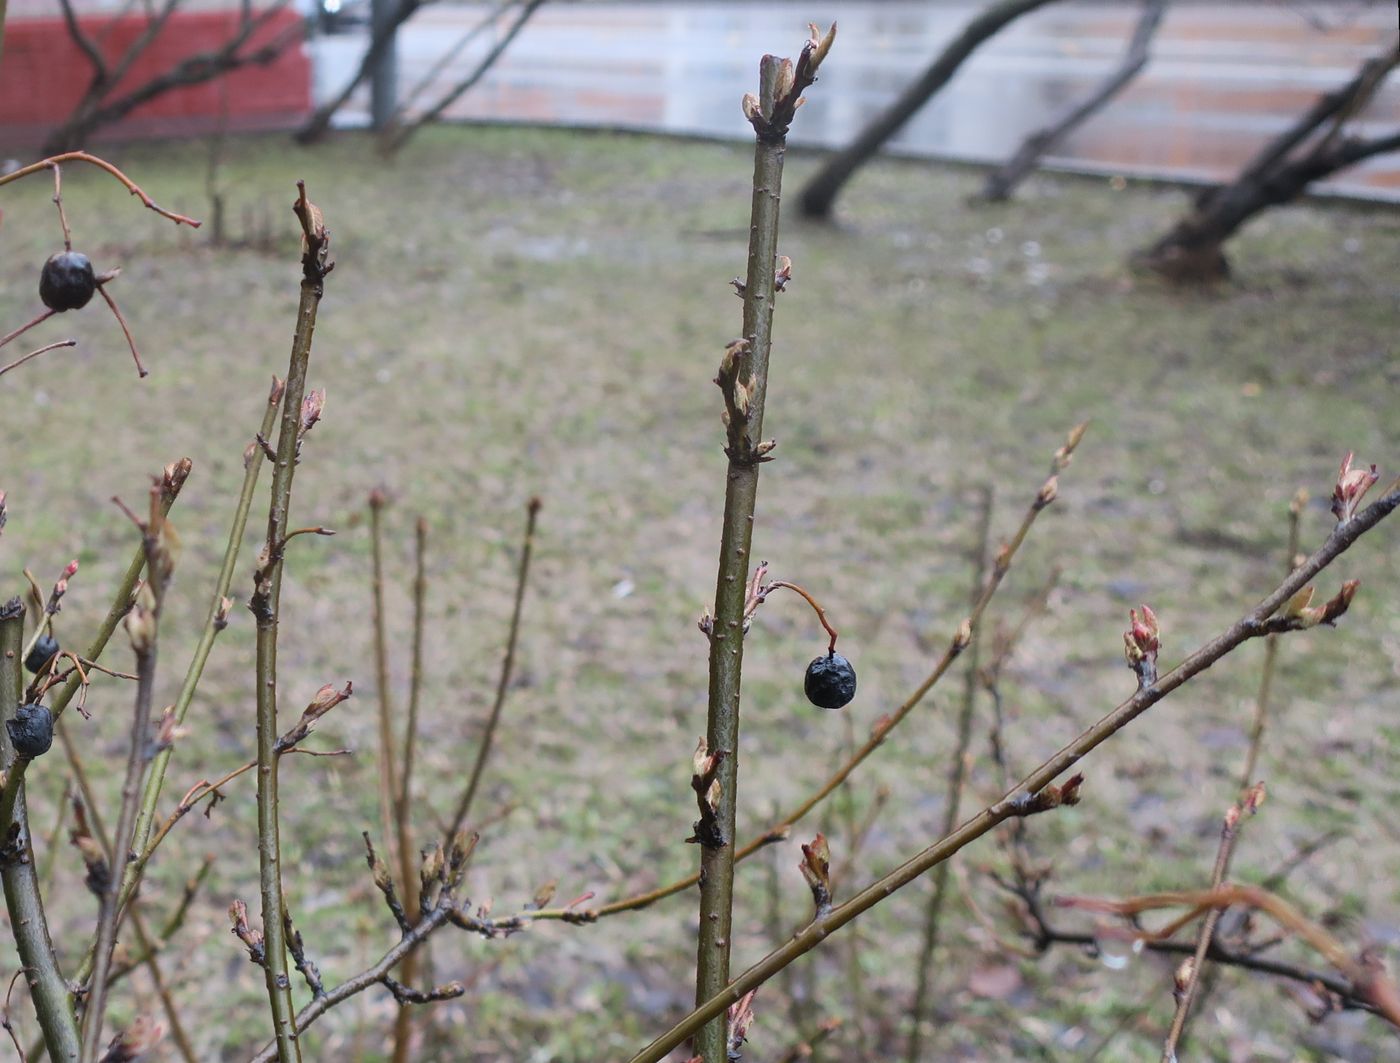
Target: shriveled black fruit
31, 731
42, 653
67, 282
831, 681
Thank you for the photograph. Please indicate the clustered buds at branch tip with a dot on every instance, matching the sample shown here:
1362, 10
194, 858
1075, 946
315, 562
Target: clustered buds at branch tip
781, 83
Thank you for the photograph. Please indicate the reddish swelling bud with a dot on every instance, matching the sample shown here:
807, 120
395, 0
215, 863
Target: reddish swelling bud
1141, 642
1352, 485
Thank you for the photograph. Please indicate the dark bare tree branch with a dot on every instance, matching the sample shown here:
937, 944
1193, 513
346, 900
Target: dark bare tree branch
1002, 181
1192, 250
96, 108
398, 138
319, 124
820, 194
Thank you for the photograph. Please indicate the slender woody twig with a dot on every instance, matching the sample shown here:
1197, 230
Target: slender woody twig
217, 619
1189, 975
957, 779
142, 625
388, 758
53, 1004
743, 380
102, 164
778, 830
265, 605
403, 1021
1257, 623
527, 546
1367, 980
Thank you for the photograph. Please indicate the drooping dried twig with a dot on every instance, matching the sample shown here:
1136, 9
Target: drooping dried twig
1368, 981
102, 164
387, 752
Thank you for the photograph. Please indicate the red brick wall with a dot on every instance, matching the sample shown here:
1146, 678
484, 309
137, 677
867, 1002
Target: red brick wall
43, 75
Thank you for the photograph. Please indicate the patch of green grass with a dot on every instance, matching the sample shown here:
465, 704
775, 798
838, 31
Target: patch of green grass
520, 312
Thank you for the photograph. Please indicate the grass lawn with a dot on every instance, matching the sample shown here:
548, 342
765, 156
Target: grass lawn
531, 312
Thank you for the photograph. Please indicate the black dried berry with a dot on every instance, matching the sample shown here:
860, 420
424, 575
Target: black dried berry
67, 282
31, 731
831, 681
42, 653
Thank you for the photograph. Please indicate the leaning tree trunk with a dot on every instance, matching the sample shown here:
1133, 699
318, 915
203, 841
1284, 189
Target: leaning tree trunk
382, 38
1193, 250
822, 190
1002, 181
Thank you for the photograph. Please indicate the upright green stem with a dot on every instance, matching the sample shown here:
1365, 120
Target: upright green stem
52, 1001
727, 636
265, 605
212, 626
957, 778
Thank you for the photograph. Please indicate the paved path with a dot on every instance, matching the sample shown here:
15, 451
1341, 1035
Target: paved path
1225, 76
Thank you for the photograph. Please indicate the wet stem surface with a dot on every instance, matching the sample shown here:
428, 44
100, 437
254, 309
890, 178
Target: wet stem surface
521, 313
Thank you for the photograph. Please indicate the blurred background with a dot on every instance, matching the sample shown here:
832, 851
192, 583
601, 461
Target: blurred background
536, 209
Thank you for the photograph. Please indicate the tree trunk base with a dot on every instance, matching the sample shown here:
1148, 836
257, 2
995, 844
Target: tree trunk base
1185, 262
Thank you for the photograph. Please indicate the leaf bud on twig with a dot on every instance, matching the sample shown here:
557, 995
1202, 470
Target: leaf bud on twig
1141, 642
816, 869
1352, 485
252, 939
141, 621
311, 407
